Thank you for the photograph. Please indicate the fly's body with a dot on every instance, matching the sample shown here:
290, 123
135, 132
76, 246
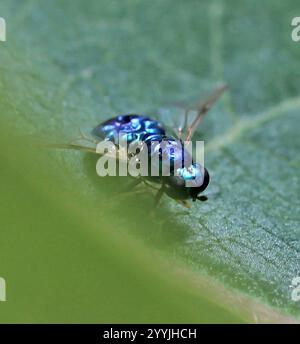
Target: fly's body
134, 128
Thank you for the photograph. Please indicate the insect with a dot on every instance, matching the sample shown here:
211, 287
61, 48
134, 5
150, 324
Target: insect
139, 128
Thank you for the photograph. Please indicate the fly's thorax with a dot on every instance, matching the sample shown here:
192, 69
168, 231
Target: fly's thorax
166, 154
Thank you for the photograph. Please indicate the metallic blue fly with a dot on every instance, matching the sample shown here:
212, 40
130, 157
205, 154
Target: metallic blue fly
138, 128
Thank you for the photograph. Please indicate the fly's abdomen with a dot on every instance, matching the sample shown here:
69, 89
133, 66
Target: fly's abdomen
128, 127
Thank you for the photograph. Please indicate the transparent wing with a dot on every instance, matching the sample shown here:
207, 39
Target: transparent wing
183, 120
85, 143
173, 119
201, 110
74, 146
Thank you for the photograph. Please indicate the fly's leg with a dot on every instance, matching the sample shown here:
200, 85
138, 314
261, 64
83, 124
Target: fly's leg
185, 204
157, 199
131, 185
128, 190
182, 128
202, 198
158, 196
149, 185
83, 137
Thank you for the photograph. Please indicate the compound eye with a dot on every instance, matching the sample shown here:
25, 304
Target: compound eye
205, 180
196, 191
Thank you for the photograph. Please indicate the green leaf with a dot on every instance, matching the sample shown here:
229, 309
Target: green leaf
67, 241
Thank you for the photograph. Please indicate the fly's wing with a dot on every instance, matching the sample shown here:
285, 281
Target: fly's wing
184, 120
73, 146
201, 110
85, 143
173, 118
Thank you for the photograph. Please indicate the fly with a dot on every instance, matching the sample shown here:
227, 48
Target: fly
143, 129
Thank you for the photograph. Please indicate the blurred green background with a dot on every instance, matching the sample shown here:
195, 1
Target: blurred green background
72, 248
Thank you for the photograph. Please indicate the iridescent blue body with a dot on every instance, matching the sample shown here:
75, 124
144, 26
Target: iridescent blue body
135, 127
185, 178
139, 128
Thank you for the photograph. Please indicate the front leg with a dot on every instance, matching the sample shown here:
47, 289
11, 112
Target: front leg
184, 203
202, 198
158, 196
131, 185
